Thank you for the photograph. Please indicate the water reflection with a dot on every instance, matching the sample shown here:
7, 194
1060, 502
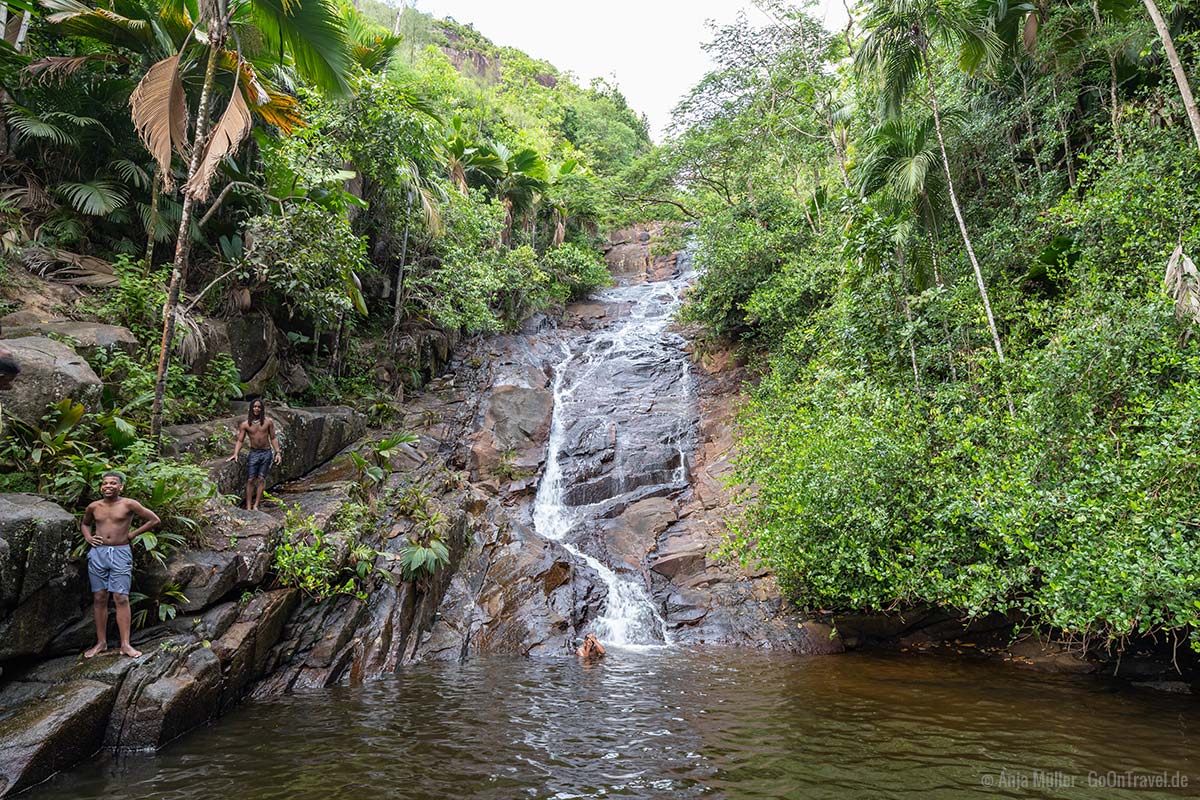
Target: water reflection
678, 724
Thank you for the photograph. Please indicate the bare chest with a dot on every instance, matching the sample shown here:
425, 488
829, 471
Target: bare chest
116, 514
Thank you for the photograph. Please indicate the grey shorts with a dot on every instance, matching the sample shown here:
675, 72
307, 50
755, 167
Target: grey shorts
259, 462
110, 568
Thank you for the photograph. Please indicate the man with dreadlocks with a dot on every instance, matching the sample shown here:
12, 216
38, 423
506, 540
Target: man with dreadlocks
264, 450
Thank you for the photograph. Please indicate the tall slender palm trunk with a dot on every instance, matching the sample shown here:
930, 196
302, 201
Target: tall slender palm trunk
962, 225
183, 240
398, 300
153, 226
1185, 89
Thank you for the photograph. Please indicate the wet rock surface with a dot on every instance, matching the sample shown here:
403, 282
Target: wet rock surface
643, 444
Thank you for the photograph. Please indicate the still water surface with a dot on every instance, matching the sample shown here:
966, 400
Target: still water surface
679, 724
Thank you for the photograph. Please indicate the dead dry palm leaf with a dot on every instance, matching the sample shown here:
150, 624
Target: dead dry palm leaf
230, 130
1182, 282
69, 268
159, 111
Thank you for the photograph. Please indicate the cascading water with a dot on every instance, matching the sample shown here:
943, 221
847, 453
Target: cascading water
621, 430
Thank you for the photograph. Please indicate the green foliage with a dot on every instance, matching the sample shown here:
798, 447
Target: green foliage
888, 458
577, 269
303, 559
129, 387
165, 605
67, 452
420, 560
136, 302
309, 259
375, 467
307, 558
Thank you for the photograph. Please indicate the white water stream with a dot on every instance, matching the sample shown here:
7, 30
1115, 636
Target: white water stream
630, 618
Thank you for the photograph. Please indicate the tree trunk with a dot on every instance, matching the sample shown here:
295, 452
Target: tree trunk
1068, 156
398, 300
183, 240
22, 32
1185, 89
153, 226
962, 225
1112, 83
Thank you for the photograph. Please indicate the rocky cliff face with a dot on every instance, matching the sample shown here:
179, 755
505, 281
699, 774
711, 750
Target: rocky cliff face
645, 473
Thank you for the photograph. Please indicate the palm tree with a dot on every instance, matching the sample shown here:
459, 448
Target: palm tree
524, 177
314, 35
901, 43
558, 199
1185, 89
902, 157
902, 160
466, 159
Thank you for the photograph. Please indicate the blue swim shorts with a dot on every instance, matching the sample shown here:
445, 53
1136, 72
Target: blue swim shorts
110, 568
259, 462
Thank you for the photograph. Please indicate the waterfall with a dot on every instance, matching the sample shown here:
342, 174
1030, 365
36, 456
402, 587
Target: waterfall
633, 364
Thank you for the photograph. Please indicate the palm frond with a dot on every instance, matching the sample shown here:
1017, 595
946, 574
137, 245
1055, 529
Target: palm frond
104, 25
131, 173
159, 110
27, 124
63, 67
312, 32
223, 141
98, 197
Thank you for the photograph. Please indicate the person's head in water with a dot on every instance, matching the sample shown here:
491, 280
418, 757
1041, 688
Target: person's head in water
257, 411
111, 485
591, 647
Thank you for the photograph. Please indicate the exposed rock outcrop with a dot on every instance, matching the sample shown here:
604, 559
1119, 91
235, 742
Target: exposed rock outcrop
41, 589
63, 710
88, 336
50, 372
308, 437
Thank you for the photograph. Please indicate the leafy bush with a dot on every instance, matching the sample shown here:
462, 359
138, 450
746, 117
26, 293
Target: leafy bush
577, 269
1078, 512
309, 259
137, 300
303, 560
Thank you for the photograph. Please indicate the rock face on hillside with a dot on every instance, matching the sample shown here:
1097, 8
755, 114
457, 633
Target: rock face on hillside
642, 452
50, 372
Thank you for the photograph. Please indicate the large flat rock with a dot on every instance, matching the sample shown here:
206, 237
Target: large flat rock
50, 372
50, 727
88, 336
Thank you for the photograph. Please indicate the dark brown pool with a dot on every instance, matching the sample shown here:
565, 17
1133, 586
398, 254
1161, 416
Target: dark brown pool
671, 723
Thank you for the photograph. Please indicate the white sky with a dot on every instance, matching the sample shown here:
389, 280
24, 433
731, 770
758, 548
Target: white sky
651, 47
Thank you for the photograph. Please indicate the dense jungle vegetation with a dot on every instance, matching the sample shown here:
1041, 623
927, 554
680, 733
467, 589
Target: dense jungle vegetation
945, 231
356, 175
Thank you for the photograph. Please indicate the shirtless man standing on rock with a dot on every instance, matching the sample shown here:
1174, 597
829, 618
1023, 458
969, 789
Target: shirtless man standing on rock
107, 527
264, 450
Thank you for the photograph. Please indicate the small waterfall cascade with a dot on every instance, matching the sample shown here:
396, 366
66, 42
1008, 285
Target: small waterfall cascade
621, 430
